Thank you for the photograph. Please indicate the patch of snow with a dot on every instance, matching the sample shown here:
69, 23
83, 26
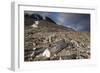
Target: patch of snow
36, 22
35, 25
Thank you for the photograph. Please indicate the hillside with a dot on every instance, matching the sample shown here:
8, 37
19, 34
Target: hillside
50, 41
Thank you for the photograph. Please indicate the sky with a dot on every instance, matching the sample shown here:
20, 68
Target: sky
76, 21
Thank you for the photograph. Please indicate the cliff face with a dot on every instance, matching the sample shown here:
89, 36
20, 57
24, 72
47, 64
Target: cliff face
50, 41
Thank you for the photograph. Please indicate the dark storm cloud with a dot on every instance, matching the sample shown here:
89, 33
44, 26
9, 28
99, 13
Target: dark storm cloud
79, 22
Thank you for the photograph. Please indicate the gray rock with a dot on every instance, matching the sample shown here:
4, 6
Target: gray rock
58, 46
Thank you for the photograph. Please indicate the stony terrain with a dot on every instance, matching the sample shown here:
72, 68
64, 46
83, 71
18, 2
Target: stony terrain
50, 41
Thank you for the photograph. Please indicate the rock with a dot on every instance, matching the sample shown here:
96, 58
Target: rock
45, 41
35, 25
48, 43
36, 17
39, 51
32, 54
64, 52
50, 39
88, 46
41, 58
60, 58
34, 44
54, 58
34, 48
58, 46
75, 44
85, 56
46, 53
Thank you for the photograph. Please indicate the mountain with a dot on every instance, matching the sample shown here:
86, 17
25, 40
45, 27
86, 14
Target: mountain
49, 20
29, 19
36, 17
50, 41
51, 27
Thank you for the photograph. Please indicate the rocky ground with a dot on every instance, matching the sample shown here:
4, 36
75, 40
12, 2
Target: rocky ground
50, 41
